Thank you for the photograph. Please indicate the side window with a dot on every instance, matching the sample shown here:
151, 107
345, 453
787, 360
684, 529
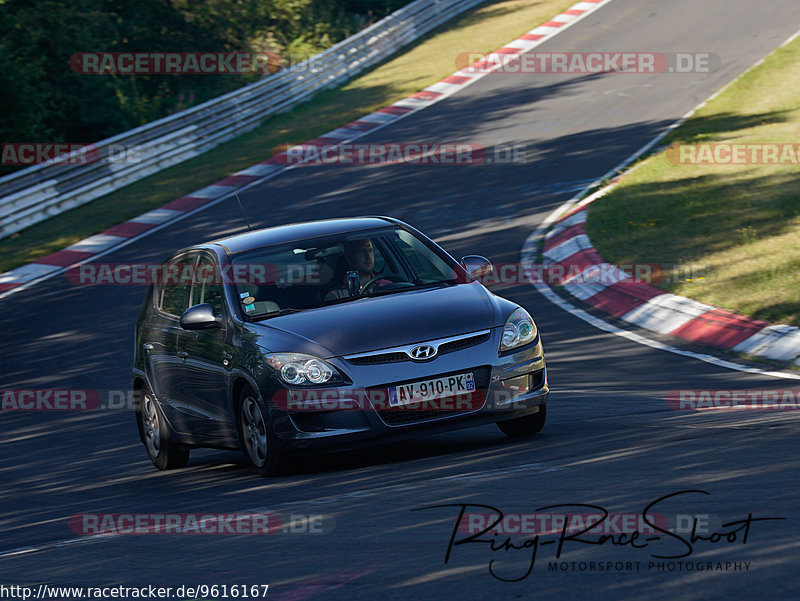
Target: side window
381, 264
423, 260
176, 282
207, 285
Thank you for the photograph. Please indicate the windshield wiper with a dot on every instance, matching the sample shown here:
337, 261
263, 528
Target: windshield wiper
442, 283
286, 311
338, 301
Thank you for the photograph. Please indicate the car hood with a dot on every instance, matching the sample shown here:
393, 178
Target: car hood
384, 321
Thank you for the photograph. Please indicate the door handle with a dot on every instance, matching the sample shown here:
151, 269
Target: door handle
148, 346
183, 354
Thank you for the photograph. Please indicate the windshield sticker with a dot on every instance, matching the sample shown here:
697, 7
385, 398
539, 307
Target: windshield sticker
250, 307
248, 300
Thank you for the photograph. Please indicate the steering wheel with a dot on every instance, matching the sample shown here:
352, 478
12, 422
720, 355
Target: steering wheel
394, 277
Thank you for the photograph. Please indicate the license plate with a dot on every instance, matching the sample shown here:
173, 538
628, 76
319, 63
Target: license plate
427, 390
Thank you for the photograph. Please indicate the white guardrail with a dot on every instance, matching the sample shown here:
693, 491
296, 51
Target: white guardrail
42, 191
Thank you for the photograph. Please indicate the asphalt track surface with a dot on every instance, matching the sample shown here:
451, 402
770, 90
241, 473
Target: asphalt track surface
610, 440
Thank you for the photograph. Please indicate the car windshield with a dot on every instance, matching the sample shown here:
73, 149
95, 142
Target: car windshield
283, 279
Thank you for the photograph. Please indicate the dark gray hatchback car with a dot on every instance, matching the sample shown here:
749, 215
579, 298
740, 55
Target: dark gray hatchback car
327, 335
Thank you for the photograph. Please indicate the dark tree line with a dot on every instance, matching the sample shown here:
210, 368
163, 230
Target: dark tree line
42, 99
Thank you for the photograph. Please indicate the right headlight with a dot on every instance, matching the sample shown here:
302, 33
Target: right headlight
296, 369
518, 331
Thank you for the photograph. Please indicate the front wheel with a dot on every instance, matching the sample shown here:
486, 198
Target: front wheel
524, 426
258, 444
164, 452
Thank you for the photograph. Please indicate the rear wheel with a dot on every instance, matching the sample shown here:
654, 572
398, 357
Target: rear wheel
524, 426
164, 452
258, 443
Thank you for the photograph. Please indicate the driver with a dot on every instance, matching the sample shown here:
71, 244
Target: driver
359, 255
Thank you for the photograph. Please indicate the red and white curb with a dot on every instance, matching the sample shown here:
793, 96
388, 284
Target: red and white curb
120, 235
645, 306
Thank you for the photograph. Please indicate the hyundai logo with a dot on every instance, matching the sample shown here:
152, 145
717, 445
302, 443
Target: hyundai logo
422, 352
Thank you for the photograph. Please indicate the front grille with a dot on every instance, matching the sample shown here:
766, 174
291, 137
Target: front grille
399, 416
376, 359
398, 356
458, 345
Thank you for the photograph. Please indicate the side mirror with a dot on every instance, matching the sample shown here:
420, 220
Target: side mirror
199, 317
477, 266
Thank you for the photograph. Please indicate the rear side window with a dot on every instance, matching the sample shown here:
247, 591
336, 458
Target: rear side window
176, 285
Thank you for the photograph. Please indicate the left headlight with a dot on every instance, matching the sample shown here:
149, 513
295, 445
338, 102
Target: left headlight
518, 331
296, 369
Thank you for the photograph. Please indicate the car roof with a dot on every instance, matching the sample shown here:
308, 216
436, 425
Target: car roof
297, 231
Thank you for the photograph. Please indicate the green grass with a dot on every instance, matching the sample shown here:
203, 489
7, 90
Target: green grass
732, 231
480, 30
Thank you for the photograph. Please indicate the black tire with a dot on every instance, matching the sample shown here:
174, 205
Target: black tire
156, 435
258, 443
524, 426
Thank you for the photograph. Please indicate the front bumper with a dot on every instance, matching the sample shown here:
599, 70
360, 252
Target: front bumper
510, 386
